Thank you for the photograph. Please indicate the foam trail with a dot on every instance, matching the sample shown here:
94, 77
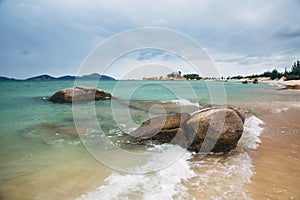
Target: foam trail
163, 184
183, 102
252, 130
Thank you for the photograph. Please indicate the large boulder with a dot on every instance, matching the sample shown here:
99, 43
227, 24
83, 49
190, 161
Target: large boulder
238, 111
79, 93
216, 129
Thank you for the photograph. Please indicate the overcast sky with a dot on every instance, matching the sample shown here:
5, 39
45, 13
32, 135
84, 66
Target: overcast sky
55, 36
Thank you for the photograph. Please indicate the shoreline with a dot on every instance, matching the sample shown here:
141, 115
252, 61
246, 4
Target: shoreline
283, 83
275, 82
276, 161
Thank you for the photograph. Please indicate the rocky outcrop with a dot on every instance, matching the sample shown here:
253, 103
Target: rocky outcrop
81, 93
238, 111
161, 129
162, 108
216, 129
292, 87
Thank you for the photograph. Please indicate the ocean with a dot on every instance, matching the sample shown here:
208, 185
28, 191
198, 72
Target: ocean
42, 156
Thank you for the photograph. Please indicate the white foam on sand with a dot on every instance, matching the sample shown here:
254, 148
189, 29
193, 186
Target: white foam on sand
163, 184
252, 130
212, 177
184, 102
225, 177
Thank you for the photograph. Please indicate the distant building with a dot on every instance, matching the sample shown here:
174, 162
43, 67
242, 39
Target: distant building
175, 75
171, 76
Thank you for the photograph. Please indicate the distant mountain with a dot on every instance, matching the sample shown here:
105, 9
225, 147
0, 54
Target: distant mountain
96, 76
66, 78
45, 77
2, 78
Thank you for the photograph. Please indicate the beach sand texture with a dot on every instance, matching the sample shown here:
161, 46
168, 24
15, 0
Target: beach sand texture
277, 160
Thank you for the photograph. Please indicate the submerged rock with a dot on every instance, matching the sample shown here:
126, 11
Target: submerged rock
79, 93
50, 129
216, 129
50, 134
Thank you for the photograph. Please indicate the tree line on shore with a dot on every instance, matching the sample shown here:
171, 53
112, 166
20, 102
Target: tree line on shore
289, 74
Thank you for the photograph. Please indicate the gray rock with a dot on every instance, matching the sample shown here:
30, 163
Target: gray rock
161, 129
81, 93
216, 129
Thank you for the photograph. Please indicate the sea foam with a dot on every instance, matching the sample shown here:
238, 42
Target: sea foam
183, 102
187, 177
252, 130
162, 184
225, 177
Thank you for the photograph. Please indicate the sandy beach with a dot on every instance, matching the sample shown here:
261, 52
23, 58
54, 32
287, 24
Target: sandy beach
291, 82
275, 82
277, 159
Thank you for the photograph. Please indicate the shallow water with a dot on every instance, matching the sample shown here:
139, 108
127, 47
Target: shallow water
42, 157
189, 176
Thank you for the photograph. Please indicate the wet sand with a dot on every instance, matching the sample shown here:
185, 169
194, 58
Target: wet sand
67, 180
277, 160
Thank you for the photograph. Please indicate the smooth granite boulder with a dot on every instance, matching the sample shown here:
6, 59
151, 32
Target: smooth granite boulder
216, 129
81, 93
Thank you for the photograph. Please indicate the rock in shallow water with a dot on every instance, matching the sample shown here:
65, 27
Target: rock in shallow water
216, 129
162, 129
79, 93
50, 134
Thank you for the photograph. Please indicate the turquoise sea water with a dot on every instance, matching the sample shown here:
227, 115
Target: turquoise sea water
42, 157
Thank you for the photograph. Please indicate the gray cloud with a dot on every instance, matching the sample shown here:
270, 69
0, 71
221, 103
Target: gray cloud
60, 34
148, 54
168, 57
24, 52
288, 32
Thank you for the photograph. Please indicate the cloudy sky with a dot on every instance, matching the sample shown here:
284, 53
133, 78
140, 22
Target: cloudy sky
55, 36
